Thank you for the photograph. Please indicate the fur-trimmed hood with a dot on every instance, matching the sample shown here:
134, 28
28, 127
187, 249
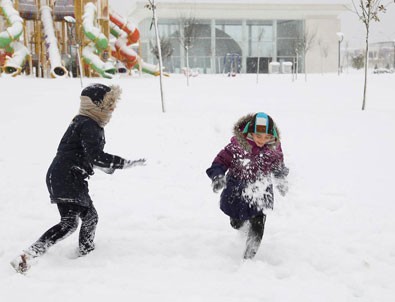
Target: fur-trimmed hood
241, 137
100, 111
111, 98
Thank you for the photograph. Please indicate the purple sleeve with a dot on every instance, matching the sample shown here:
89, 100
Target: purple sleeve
220, 164
279, 168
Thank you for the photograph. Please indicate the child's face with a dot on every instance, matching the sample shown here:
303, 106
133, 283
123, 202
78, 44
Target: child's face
261, 138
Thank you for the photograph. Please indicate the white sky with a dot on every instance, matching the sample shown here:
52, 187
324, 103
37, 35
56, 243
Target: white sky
352, 28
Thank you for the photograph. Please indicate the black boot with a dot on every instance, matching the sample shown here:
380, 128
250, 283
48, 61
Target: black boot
87, 232
255, 234
236, 223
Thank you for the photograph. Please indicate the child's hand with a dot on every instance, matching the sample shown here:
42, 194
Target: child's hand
282, 187
107, 170
218, 183
134, 163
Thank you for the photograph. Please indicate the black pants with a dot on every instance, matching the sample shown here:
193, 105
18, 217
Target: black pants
69, 219
255, 233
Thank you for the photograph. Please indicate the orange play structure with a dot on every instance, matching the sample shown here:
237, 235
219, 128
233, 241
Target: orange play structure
66, 38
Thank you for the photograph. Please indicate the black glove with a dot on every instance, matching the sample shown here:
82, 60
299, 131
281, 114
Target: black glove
282, 186
218, 183
106, 170
134, 163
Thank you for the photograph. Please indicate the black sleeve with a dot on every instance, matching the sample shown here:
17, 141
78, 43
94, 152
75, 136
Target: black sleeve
92, 142
216, 170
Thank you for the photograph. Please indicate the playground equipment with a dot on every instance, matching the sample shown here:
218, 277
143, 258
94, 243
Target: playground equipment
48, 38
97, 45
232, 64
57, 69
128, 35
15, 51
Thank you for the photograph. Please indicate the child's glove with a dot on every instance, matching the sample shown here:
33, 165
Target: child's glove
282, 186
134, 163
218, 183
107, 170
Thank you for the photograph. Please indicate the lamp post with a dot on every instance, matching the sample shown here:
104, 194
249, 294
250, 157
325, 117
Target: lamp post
71, 27
340, 37
394, 52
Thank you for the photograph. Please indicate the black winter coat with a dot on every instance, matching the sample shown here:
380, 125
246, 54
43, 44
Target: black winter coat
79, 151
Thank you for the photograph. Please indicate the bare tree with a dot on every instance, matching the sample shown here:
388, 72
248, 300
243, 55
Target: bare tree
166, 48
367, 11
304, 45
188, 28
295, 61
324, 51
347, 54
152, 7
260, 37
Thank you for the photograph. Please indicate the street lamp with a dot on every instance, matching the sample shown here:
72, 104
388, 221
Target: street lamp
71, 22
394, 52
340, 37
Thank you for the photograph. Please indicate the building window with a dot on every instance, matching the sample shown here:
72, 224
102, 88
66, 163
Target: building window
289, 34
232, 29
260, 39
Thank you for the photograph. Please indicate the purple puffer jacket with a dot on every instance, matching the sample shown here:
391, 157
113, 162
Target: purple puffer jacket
250, 165
249, 170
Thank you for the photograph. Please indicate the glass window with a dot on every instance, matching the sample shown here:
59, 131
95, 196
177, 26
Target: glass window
201, 47
200, 62
287, 47
260, 32
261, 49
233, 31
289, 34
163, 30
289, 28
260, 38
232, 28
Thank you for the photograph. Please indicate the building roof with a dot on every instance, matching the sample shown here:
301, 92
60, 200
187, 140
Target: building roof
132, 5
296, 2
250, 9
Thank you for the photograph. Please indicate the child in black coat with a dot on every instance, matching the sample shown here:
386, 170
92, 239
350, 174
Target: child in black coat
79, 152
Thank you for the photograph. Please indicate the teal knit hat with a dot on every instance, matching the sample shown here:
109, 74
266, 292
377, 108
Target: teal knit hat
261, 123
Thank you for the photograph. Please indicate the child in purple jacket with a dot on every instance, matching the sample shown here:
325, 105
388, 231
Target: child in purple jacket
252, 162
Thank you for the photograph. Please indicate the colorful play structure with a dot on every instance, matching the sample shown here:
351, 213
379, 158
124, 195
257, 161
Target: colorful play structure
63, 38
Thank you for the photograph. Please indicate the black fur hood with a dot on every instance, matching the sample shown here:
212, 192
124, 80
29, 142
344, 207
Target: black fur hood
241, 137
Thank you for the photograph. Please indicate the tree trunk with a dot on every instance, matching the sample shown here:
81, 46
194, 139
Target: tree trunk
187, 73
366, 67
257, 71
160, 56
304, 66
297, 67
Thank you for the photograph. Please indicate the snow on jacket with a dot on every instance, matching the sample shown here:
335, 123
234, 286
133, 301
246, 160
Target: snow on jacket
79, 151
249, 170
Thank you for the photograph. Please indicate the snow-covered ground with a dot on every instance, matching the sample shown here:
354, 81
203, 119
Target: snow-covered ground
161, 235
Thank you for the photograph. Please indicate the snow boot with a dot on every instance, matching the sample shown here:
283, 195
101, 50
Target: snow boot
22, 263
255, 234
83, 251
236, 223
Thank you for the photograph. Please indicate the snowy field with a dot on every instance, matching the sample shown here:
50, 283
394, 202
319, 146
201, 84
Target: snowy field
161, 236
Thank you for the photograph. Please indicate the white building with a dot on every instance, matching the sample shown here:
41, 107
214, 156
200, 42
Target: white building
271, 30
